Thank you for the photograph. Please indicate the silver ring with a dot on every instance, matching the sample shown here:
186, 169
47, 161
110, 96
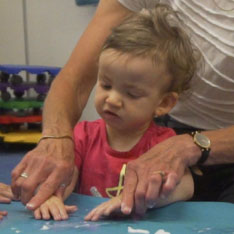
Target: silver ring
24, 175
62, 185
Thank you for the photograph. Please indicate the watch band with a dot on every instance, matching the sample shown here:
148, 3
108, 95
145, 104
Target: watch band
204, 151
204, 156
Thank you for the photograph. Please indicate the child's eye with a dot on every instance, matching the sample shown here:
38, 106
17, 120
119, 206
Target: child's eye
132, 95
106, 86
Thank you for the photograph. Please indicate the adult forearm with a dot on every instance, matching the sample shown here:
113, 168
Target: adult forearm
222, 146
71, 88
61, 109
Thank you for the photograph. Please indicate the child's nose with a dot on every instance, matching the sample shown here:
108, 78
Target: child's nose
114, 99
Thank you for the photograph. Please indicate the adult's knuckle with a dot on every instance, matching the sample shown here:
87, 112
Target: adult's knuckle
47, 186
18, 183
14, 174
131, 165
64, 166
140, 195
27, 187
155, 179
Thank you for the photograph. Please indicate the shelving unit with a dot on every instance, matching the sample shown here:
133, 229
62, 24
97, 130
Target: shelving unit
22, 93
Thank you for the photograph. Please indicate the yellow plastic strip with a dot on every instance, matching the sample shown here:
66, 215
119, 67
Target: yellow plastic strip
120, 185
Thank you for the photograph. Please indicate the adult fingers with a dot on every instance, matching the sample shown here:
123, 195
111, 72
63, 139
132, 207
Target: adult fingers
40, 164
128, 194
140, 193
15, 175
154, 187
22, 175
61, 190
47, 188
169, 185
29, 186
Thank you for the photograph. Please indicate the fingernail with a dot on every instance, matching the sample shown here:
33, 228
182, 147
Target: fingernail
125, 209
29, 206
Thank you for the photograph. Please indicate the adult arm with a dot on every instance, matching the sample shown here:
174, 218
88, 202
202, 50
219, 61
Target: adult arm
143, 186
51, 163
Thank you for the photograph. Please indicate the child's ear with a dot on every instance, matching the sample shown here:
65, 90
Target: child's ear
168, 101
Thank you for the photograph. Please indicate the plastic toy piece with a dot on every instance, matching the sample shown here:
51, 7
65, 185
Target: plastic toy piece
9, 119
4, 77
21, 104
9, 79
26, 137
15, 69
86, 2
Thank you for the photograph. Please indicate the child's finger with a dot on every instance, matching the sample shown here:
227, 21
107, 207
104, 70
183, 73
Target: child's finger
2, 214
63, 212
7, 194
45, 212
112, 208
37, 213
5, 200
59, 210
114, 205
105, 209
99, 214
96, 213
90, 215
55, 212
71, 209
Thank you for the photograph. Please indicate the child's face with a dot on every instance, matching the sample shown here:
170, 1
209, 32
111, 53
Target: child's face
129, 90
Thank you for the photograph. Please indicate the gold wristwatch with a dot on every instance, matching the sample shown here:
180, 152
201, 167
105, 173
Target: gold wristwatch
203, 142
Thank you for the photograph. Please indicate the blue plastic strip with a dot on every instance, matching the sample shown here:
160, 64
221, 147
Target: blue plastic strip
15, 69
86, 2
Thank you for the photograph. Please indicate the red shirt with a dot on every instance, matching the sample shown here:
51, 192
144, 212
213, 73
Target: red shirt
98, 164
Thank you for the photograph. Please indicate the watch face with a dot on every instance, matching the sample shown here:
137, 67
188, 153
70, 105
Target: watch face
202, 140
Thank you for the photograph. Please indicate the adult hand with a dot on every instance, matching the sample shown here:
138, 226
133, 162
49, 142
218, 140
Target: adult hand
157, 172
48, 167
6, 194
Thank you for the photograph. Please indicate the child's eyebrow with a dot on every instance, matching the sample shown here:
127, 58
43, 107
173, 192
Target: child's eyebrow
104, 76
133, 86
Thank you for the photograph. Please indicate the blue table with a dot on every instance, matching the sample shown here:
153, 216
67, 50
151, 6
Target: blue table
178, 218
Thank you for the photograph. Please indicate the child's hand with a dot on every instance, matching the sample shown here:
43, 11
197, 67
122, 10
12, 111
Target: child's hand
105, 209
6, 194
2, 213
54, 208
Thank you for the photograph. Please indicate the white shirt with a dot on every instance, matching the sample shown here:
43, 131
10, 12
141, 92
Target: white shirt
211, 104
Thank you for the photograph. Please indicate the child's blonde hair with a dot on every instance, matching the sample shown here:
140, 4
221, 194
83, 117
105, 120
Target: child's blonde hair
158, 34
